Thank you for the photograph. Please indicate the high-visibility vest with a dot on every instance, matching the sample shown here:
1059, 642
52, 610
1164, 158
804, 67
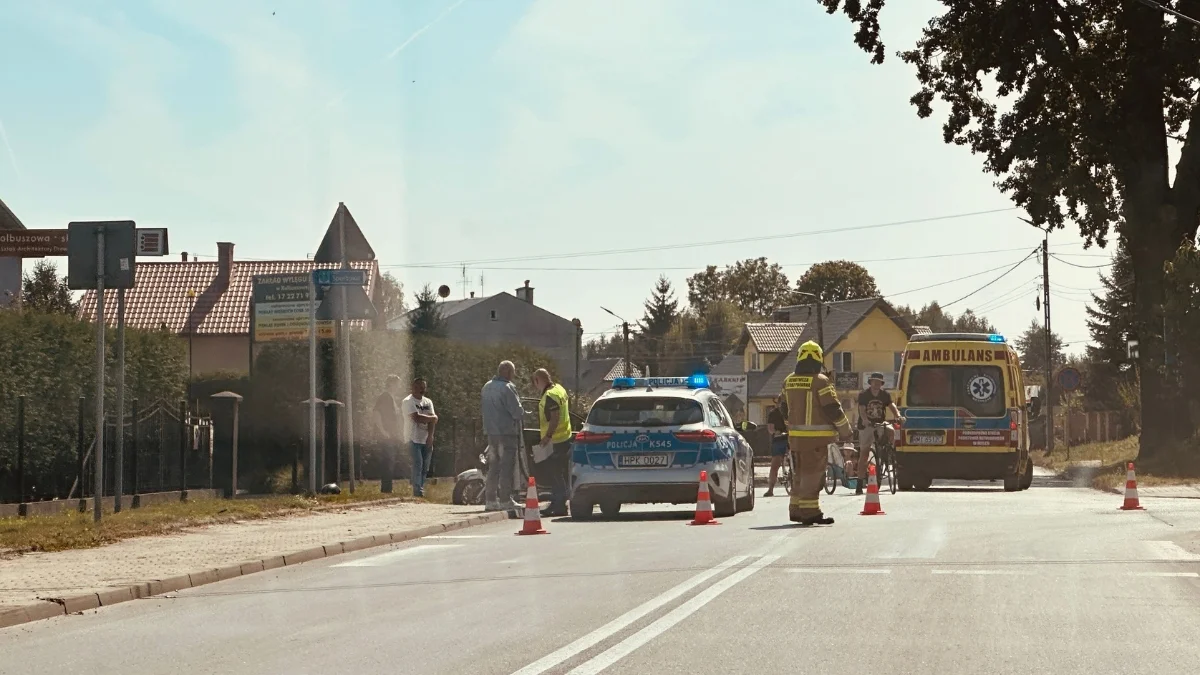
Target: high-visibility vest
562, 432
807, 395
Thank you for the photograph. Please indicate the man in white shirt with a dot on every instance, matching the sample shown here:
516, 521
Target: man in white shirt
419, 423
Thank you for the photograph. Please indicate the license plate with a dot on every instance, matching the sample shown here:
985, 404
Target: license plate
643, 460
926, 439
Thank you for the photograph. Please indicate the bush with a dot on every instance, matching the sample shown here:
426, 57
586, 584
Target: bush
50, 358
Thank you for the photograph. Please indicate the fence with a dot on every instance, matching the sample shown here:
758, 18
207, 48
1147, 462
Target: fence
166, 449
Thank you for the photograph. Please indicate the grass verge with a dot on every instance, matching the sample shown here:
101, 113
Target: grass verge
71, 530
1178, 466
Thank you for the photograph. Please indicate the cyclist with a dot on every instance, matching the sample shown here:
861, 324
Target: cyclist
777, 423
873, 405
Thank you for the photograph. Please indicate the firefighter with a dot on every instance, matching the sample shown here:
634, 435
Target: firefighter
815, 418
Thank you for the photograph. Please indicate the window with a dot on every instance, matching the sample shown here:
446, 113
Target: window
979, 389
755, 361
645, 411
493, 315
896, 359
842, 362
717, 417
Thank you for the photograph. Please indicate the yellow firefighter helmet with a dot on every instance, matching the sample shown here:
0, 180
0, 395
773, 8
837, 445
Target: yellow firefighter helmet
810, 351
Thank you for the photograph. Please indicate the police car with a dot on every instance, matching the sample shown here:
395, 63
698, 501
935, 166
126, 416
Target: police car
646, 441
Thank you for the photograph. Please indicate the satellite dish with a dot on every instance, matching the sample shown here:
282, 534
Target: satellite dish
443, 291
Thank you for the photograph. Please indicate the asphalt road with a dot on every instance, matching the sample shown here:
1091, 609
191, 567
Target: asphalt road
956, 580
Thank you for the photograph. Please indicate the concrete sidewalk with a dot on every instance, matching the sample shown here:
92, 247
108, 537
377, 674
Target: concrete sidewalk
34, 578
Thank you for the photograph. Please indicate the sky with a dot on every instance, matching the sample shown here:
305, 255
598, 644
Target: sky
587, 146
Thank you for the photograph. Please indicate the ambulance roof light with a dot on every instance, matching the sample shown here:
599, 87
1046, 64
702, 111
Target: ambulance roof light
996, 338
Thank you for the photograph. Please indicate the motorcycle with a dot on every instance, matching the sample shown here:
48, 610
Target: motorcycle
469, 485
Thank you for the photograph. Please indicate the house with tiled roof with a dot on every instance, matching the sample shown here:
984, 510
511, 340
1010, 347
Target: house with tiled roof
860, 337
10, 268
596, 375
506, 318
207, 304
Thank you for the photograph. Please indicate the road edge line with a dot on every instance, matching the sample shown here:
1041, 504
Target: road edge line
49, 608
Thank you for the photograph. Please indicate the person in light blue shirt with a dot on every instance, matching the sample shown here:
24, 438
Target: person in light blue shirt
502, 423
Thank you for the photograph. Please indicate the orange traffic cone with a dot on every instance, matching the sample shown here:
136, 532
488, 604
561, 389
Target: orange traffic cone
872, 506
704, 510
533, 515
1131, 495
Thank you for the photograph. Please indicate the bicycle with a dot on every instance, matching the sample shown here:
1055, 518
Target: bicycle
786, 474
883, 452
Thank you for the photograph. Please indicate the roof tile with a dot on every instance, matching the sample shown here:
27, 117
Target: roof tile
774, 338
159, 298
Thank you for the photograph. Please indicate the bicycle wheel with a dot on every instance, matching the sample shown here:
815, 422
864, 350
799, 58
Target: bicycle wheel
785, 476
830, 479
891, 470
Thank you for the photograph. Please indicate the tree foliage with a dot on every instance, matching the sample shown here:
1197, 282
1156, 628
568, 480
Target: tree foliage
1031, 346
941, 321
426, 318
1110, 323
1072, 105
391, 297
836, 280
697, 341
754, 286
42, 290
661, 312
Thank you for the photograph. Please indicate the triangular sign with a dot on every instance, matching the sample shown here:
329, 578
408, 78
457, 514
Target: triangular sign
357, 247
358, 306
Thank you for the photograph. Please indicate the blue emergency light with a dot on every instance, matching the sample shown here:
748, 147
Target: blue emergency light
996, 338
697, 381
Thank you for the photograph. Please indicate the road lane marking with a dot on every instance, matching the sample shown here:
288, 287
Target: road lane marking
837, 570
627, 646
924, 547
982, 573
1190, 575
1169, 550
460, 536
383, 559
624, 621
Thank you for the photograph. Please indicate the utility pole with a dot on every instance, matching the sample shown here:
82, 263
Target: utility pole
578, 348
1049, 343
628, 363
820, 316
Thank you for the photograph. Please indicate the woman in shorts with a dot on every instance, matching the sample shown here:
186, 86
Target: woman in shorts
777, 424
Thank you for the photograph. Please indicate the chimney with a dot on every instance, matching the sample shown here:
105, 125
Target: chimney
526, 292
183, 257
224, 264
472, 294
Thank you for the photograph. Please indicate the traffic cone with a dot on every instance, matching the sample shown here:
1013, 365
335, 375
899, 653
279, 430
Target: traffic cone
704, 510
533, 515
1131, 495
872, 506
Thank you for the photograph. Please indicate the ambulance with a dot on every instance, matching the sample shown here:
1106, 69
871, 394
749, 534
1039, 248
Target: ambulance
966, 414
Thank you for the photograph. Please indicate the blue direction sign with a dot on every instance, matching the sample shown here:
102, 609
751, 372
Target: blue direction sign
1069, 379
332, 277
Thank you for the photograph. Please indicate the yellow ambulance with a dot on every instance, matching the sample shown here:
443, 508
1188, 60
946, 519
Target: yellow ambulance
966, 418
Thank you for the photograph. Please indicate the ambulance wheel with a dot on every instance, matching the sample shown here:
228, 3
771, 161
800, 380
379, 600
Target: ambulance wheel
922, 483
581, 510
902, 481
1027, 476
1012, 482
727, 506
610, 508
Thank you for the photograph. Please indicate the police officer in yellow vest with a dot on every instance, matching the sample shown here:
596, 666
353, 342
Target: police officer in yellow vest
815, 419
554, 419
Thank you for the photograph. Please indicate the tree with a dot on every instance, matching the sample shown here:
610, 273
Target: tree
661, 312
837, 280
1110, 323
697, 341
427, 318
603, 347
753, 285
391, 297
1031, 346
44, 291
940, 321
1088, 95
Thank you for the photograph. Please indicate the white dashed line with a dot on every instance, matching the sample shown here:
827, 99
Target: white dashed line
1169, 550
981, 573
1190, 575
837, 570
382, 559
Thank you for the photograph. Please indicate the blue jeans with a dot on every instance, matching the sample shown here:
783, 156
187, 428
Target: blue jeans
422, 457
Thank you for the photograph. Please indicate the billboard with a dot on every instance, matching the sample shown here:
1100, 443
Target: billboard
281, 306
728, 385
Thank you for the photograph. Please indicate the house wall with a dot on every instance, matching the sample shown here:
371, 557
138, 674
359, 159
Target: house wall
211, 353
873, 345
10, 282
764, 359
518, 322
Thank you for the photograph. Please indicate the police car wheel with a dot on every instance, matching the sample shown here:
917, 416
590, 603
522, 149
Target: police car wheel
727, 506
747, 503
609, 508
581, 510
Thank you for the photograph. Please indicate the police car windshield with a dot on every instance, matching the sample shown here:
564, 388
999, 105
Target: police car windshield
645, 411
979, 389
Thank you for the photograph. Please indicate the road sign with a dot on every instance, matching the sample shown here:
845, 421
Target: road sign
281, 309
353, 305
332, 277
343, 240
32, 243
152, 241
120, 249
1069, 379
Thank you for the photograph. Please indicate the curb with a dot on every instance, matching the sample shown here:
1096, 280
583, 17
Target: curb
52, 607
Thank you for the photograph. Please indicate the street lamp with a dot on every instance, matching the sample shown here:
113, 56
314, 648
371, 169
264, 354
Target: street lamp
628, 370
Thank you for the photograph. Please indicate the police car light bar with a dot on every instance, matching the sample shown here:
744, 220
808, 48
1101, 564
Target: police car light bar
697, 381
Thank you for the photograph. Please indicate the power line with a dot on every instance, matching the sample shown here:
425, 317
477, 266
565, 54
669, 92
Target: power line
718, 242
1006, 273
950, 281
1163, 8
1084, 267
